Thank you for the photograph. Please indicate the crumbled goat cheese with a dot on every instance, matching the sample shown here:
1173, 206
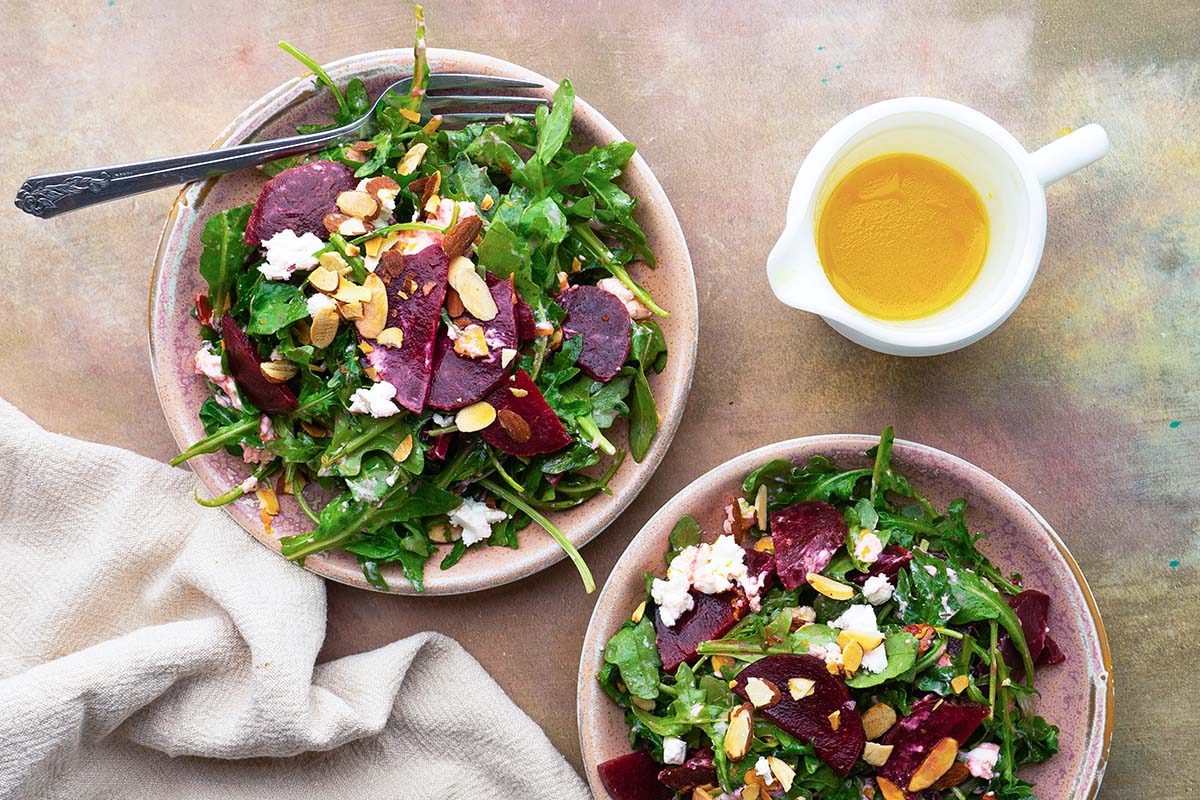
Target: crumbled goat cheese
376, 401
266, 431
286, 252
672, 597
674, 750
868, 548
319, 302
443, 420
860, 618
763, 768
623, 293
475, 518
208, 364
982, 759
710, 569
249, 485
877, 590
829, 653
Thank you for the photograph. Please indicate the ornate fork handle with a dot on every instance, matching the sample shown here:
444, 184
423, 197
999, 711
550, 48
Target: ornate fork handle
48, 195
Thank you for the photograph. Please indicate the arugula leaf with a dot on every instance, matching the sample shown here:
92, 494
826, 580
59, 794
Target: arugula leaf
554, 127
274, 306
503, 253
225, 252
214, 417
685, 534
633, 652
643, 417
901, 649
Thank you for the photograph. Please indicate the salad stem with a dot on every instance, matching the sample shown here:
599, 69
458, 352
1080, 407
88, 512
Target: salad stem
994, 651
589, 583
598, 249
233, 494
318, 71
399, 226
588, 425
509, 479
304, 506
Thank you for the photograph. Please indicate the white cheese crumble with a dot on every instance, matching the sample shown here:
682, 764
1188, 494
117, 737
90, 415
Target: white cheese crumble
443, 420
868, 548
475, 518
860, 618
623, 293
763, 768
674, 750
266, 431
249, 485
877, 590
208, 364
319, 302
710, 569
376, 401
982, 760
829, 653
286, 252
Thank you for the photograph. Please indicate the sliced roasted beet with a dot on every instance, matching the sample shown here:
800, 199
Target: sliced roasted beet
633, 776
890, 562
1051, 653
298, 199
761, 565
440, 447
525, 425
698, 770
808, 717
460, 380
244, 362
416, 287
931, 720
1033, 610
806, 535
603, 322
526, 327
710, 618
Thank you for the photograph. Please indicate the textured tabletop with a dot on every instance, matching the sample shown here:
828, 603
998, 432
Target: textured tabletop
1084, 401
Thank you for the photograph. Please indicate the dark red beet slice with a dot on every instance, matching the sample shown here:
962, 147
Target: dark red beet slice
710, 618
808, 717
932, 719
416, 312
244, 362
1033, 610
806, 535
603, 322
760, 564
459, 380
526, 425
298, 199
526, 327
633, 776
1051, 653
440, 447
891, 561
698, 770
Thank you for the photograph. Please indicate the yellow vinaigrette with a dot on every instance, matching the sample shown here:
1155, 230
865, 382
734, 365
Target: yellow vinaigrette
902, 236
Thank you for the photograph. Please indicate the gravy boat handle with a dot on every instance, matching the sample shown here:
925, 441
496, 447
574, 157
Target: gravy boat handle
1069, 153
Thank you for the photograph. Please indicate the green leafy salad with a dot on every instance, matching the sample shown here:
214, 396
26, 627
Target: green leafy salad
438, 327
843, 638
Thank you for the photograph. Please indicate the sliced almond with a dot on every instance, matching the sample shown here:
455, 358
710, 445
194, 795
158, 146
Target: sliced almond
431, 205
412, 159
835, 719
878, 720
324, 327
442, 533
762, 693
278, 371
325, 280
739, 733
378, 186
867, 641
460, 237
371, 372
390, 337
760, 508
429, 188
358, 204
375, 310
506, 356
706, 792
852, 655
332, 261
268, 501
315, 431
782, 771
765, 545
939, 759
720, 664
829, 587
434, 123
351, 312
877, 754
518, 392
376, 246
345, 224
800, 688
454, 306
959, 682
350, 292
300, 331
889, 790
472, 290
404, 449
514, 425
366, 348
833, 668
475, 417
486, 203
638, 613
957, 773
363, 146
409, 114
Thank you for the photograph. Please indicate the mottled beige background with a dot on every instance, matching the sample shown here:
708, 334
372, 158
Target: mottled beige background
1072, 402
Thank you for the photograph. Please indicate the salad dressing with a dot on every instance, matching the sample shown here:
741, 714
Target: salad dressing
902, 237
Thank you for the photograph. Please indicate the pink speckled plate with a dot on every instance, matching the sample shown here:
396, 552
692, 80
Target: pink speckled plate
173, 339
1077, 696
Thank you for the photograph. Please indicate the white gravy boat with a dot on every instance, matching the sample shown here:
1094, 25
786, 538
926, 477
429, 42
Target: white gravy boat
1010, 181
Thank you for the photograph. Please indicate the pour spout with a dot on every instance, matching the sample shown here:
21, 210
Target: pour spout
798, 280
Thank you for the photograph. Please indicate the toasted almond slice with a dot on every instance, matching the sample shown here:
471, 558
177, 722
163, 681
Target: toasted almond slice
371, 373
760, 508
739, 733
506, 356
390, 337
800, 688
429, 188
409, 114
518, 392
460, 237
278, 371
412, 159
890, 790
357, 204
720, 664
877, 754
514, 425
705, 792
472, 290
486, 203
325, 280
432, 126
375, 247
829, 587
751, 792
404, 449
765, 545
315, 431
833, 668
377, 186
324, 327
782, 772
333, 221
475, 417
939, 759
957, 773
470, 342
878, 720
803, 615
867, 641
959, 682
332, 261
366, 348
835, 719
638, 613
762, 693
442, 533
268, 501
431, 205
852, 655
375, 310
351, 312
350, 292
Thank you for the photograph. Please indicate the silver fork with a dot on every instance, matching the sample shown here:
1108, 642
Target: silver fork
48, 195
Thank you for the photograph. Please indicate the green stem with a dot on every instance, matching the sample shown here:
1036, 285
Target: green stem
994, 653
258, 474
231, 433
588, 425
319, 71
441, 431
739, 648
509, 479
601, 252
304, 506
589, 583
350, 445
399, 226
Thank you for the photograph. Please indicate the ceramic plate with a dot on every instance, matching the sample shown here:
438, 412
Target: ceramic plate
1076, 696
173, 333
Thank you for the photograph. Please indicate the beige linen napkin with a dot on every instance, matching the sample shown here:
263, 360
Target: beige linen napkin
150, 648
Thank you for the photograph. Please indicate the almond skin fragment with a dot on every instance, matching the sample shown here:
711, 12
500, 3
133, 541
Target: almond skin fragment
800, 688
454, 306
878, 720
877, 754
762, 693
375, 310
472, 290
460, 237
890, 790
739, 733
957, 773
829, 587
315, 431
475, 417
515, 425
936, 763
278, 371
